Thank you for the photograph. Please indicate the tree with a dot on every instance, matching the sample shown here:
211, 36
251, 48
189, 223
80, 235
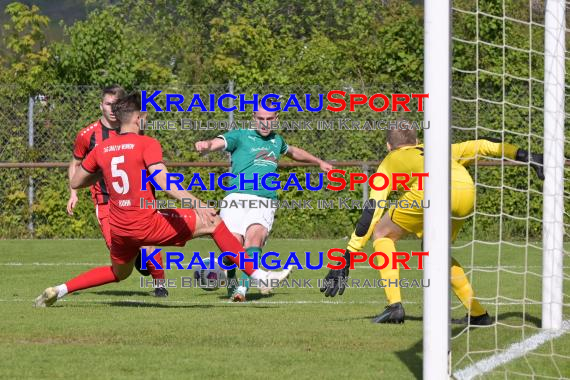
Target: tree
27, 55
106, 49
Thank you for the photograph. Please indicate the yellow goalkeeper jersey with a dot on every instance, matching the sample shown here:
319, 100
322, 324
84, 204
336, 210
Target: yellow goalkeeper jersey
410, 159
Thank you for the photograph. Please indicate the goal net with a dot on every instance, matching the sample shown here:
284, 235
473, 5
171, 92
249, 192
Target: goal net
509, 82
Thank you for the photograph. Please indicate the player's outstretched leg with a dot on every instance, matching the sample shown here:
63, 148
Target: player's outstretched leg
239, 294
90, 279
476, 313
227, 242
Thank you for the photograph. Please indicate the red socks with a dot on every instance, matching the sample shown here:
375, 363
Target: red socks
104, 275
94, 277
228, 243
156, 274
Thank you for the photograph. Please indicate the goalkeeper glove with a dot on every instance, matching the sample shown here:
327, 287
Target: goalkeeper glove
335, 281
535, 159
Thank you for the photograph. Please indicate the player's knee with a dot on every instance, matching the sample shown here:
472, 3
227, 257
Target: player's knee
122, 272
256, 236
202, 228
256, 241
380, 231
387, 232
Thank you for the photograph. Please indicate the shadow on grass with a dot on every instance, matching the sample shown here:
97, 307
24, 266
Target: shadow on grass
457, 329
412, 358
516, 318
158, 305
370, 317
414, 318
120, 293
250, 297
529, 319
182, 306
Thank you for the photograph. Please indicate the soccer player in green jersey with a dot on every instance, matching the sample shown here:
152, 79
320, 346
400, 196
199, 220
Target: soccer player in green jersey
255, 150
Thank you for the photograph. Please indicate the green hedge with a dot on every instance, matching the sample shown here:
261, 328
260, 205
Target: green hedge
509, 206
501, 192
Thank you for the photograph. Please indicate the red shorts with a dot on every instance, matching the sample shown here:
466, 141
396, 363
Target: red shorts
172, 227
102, 212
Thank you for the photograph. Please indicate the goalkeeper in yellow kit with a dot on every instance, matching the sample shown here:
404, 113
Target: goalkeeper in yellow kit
406, 156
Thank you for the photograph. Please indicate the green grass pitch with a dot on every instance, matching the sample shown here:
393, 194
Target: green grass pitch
121, 331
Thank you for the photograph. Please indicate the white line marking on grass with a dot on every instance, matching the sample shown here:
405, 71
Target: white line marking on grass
223, 302
514, 351
297, 302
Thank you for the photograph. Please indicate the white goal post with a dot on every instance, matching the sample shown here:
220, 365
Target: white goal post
437, 79
553, 206
437, 83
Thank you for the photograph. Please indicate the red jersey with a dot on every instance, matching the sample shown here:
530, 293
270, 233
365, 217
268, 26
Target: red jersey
87, 139
122, 160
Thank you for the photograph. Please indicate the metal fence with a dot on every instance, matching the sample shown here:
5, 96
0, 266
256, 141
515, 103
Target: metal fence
37, 141
39, 130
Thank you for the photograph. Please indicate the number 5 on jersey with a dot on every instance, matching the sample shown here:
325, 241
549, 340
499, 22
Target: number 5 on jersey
116, 172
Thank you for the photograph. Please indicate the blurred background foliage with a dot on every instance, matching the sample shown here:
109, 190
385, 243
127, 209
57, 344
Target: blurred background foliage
60, 54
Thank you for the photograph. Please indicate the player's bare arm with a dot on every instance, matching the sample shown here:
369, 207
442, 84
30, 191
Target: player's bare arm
207, 215
74, 164
207, 146
302, 155
82, 178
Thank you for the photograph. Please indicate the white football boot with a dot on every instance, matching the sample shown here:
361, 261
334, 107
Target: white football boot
273, 279
47, 298
239, 294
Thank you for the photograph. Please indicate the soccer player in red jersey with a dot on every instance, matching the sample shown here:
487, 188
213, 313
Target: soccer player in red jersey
87, 139
121, 161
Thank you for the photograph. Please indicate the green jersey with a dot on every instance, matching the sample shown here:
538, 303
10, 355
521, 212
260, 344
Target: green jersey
252, 153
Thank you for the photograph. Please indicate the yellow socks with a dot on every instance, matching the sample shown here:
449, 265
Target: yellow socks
459, 283
462, 289
388, 274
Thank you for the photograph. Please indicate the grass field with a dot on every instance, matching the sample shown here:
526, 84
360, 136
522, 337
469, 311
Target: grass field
121, 331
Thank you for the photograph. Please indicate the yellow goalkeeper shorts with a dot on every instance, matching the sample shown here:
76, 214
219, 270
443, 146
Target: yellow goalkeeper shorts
412, 219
